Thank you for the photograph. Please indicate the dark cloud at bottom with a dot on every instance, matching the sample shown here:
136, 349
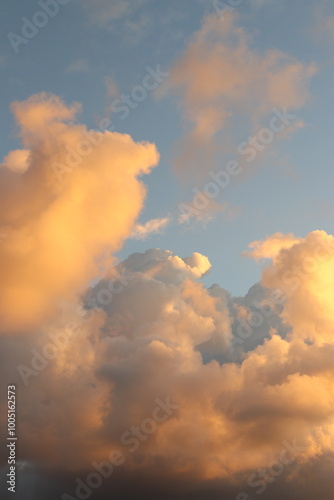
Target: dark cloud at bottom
313, 482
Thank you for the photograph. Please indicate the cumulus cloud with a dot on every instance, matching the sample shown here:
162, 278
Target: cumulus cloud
68, 200
303, 273
167, 266
222, 81
17, 160
271, 246
160, 333
247, 374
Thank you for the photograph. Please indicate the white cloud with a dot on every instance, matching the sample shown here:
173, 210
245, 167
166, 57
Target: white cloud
153, 226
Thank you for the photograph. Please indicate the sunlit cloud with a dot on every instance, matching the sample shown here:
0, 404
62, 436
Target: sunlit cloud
164, 321
63, 222
153, 372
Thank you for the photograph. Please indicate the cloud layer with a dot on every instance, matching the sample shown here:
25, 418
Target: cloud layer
154, 331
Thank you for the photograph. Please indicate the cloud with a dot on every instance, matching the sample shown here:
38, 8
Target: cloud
303, 274
142, 231
204, 210
222, 81
271, 246
78, 66
97, 344
328, 26
111, 86
252, 376
104, 12
17, 160
128, 19
62, 214
166, 266
324, 22
161, 333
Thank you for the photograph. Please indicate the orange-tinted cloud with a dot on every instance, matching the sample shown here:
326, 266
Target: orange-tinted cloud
150, 340
271, 246
67, 206
304, 274
223, 81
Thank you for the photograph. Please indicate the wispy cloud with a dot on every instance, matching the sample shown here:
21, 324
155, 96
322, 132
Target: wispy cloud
104, 12
153, 226
111, 86
223, 82
78, 66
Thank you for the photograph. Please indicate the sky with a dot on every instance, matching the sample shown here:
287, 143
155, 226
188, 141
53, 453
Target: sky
166, 248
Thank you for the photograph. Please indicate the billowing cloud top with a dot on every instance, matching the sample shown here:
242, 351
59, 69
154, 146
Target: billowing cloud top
67, 201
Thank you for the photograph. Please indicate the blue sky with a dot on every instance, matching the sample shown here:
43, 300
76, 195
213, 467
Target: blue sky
80, 50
